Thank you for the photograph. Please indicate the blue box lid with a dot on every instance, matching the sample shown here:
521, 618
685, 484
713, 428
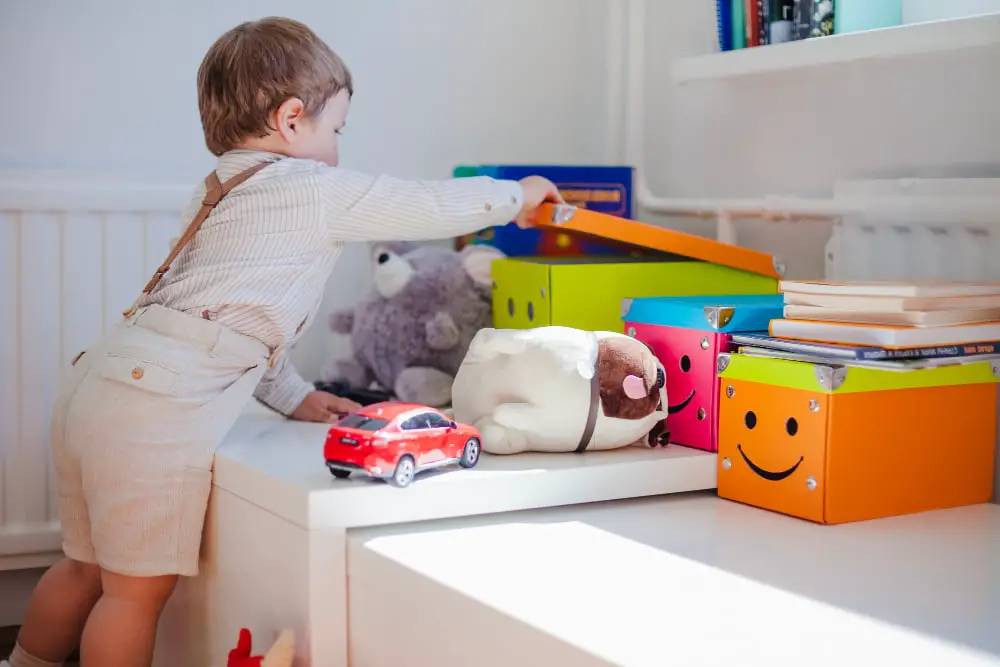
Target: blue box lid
725, 313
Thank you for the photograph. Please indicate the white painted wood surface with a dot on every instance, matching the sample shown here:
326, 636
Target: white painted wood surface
262, 572
687, 580
74, 252
278, 465
898, 42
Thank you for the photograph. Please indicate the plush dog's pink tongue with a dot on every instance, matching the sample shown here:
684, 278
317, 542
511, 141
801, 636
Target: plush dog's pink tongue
634, 386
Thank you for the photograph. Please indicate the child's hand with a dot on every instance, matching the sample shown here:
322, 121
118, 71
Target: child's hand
323, 407
537, 190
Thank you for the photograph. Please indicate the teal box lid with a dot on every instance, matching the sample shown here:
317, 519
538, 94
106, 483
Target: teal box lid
735, 313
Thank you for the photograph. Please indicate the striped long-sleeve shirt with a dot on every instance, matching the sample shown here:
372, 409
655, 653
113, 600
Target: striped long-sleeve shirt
262, 258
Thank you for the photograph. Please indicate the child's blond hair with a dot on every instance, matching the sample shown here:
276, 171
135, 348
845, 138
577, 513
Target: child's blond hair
252, 69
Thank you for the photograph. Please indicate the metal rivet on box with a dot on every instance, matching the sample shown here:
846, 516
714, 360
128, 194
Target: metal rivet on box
494, 284
704, 343
726, 463
631, 332
811, 483
730, 391
702, 414
543, 292
813, 405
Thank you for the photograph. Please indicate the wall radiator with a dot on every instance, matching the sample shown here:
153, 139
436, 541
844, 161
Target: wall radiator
917, 228
74, 252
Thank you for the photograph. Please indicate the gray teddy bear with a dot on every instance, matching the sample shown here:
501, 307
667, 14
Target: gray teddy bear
410, 334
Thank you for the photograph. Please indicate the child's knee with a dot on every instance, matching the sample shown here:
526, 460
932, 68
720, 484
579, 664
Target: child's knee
88, 572
148, 592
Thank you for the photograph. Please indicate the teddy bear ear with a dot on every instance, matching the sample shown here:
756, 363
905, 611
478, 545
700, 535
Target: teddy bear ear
477, 260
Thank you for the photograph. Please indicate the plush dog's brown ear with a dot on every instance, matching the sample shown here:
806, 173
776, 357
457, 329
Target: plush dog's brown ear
620, 368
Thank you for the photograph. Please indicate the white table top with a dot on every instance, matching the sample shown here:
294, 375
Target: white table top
278, 464
693, 580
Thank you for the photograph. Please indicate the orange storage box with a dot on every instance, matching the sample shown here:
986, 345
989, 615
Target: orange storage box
835, 444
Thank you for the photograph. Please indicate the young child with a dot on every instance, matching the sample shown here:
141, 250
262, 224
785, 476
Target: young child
135, 430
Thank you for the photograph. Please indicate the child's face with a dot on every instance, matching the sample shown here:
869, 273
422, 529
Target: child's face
313, 138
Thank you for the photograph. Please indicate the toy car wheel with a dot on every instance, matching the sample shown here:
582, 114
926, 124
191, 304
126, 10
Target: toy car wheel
404, 472
470, 455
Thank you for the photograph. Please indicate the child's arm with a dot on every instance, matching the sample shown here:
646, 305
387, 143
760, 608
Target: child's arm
359, 207
283, 389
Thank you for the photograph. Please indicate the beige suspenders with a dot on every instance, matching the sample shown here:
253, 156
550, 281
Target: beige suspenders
215, 190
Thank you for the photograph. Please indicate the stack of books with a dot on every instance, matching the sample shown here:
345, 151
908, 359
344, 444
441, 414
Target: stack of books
888, 325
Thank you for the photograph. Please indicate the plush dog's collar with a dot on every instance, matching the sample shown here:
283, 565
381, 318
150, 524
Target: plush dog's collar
595, 405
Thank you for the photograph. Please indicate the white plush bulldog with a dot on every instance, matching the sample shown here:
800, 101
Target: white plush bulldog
556, 389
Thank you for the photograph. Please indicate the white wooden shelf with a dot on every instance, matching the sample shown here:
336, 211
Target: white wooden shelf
278, 465
897, 42
684, 580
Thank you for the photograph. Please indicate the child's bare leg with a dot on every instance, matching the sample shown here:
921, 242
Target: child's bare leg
58, 610
121, 631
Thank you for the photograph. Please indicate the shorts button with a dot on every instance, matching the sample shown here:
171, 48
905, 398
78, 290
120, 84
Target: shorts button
137, 373
488, 206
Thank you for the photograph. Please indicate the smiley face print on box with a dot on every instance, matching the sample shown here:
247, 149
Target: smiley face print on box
772, 447
688, 356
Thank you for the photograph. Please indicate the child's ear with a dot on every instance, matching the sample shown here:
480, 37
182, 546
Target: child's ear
477, 260
290, 113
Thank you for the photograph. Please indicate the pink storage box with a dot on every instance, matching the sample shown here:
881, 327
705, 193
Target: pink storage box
687, 334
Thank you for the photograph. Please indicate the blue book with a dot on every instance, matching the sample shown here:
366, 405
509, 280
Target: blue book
606, 189
725, 314
724, 24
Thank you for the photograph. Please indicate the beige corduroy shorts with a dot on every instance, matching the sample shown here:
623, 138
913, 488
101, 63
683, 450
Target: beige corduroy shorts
134, 434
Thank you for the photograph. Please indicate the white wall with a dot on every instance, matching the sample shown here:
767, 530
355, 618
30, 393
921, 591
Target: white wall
109, 85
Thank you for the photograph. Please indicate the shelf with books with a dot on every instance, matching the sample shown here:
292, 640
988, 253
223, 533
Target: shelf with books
885, 43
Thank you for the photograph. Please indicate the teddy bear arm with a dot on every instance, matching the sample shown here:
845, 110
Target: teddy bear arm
342, 321
424, 386
442, 332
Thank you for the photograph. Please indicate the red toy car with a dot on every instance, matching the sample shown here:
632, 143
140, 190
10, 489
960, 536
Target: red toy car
395, 441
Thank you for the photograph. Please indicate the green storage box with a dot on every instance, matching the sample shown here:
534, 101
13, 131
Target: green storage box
587, 293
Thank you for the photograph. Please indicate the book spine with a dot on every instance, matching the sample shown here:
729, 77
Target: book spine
782, 24
726, 12
751, 22
935, 352
822, 18
739, 25
718, 25
763, 22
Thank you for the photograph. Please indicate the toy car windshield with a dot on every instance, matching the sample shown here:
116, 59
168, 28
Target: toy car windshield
362, 422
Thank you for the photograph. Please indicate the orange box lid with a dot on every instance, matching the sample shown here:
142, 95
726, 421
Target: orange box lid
651, 240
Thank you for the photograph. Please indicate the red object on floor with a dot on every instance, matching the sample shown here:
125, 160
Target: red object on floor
240, 656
